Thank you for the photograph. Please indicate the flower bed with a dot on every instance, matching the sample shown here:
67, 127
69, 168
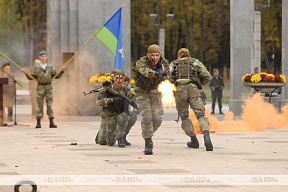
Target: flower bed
263, 78
101, 77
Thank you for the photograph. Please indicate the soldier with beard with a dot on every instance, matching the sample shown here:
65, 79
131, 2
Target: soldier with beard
150, 70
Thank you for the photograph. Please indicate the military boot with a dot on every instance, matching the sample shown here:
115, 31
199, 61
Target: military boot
121, 143
52, 125
207, 140
38, 123
127, 143
148, 146
213, 112
193, 143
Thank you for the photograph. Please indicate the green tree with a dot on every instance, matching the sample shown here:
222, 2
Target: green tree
33, 19
10, 31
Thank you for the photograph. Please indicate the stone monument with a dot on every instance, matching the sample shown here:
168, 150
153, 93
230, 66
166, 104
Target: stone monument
241, 46
70, 24
284, 50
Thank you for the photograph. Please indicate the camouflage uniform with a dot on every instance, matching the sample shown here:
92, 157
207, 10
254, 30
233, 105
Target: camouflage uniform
189, 74
148, 97
187, 90
44, 88
114, 124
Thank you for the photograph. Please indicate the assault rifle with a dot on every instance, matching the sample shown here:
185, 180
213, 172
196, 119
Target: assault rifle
127, 101
96, 90
162, 72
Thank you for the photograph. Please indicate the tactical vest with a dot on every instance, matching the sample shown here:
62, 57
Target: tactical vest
112, 107
144, 82
185, 68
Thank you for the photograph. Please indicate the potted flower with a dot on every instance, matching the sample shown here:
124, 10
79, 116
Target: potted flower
263, 80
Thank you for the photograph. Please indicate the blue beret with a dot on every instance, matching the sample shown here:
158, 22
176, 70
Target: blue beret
43, 53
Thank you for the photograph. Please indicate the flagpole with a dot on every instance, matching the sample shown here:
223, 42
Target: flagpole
74, 56
123, 5
18, 66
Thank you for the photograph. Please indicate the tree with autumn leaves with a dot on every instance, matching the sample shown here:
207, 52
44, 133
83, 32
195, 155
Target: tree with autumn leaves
202, 26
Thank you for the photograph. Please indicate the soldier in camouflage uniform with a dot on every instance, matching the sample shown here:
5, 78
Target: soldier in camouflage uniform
9, 91
101, 135
43, 73
150, 70
116, 119
189, 74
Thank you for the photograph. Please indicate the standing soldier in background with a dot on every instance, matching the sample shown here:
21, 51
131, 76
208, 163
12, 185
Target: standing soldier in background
9, 91
101, 135
189, 74
150, 70
216, 85
43, 73
113, 113
33, 92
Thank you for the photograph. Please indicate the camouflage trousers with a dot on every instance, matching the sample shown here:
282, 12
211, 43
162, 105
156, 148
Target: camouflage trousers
189, 94
150, 105
44, 91
114, 127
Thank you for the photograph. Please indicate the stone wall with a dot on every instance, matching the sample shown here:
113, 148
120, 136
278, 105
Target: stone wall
70, 23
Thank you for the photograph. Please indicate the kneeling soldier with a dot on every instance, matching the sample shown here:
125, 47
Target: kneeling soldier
114, 111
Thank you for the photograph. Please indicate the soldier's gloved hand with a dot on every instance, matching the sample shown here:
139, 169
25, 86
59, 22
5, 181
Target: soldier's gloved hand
133, 114
106, 83
116, 100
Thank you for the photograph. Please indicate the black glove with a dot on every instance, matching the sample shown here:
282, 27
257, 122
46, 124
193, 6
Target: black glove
106, 83
117, 100
161, 75
133, 114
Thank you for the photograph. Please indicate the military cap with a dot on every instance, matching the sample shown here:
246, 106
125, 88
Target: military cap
6, 65
43, 53
117, 72
216, 70
183, 52
153, 49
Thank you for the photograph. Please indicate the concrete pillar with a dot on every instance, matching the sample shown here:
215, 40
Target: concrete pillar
285, 50
70, 23
257, 42
241, 32
162, 41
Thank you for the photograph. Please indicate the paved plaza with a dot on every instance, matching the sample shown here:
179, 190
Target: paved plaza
25, 150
